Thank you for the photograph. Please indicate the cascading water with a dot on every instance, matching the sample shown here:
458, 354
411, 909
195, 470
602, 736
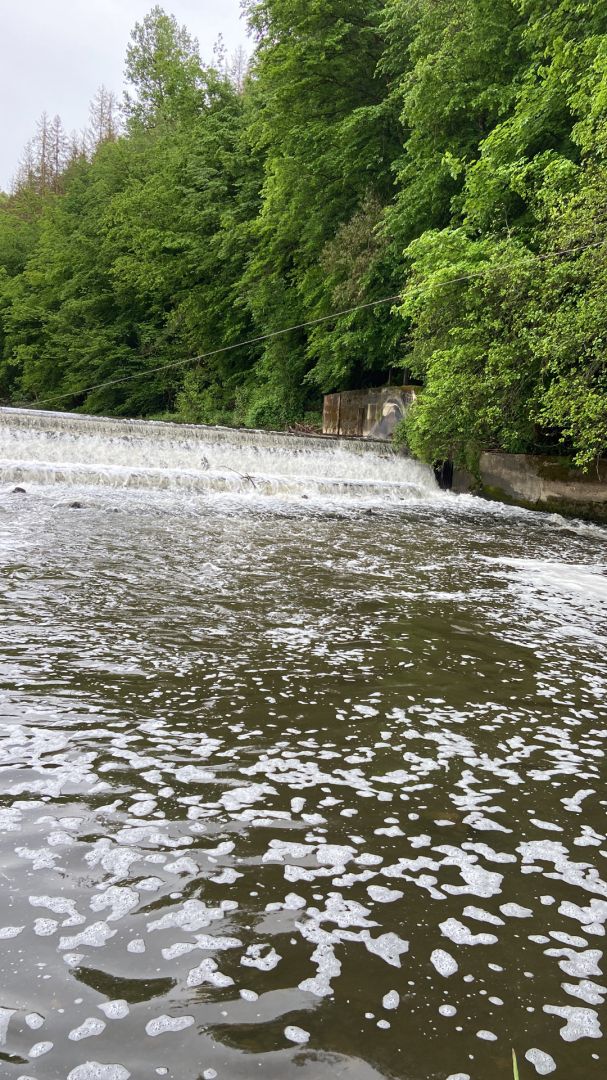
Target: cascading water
47, 447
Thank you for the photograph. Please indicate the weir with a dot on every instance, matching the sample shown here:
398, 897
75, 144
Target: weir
52, 447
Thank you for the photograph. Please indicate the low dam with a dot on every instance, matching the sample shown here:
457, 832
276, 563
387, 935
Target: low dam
302, 764
61, 447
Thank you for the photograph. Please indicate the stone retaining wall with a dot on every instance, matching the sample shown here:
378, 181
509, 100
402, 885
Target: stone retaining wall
540, 483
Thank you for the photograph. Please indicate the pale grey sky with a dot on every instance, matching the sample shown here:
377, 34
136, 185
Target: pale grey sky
55, 53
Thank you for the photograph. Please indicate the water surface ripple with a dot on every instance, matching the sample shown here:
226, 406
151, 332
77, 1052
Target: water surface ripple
299, 790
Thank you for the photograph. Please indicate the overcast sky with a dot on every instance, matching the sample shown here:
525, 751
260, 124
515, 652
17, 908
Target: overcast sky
55, 53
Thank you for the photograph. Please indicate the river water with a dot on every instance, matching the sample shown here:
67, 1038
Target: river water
302, 765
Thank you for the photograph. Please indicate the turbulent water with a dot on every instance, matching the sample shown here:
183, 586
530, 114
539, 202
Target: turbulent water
49, 447
302, 765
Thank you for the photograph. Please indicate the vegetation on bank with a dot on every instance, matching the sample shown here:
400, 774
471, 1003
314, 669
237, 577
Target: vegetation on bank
449, 152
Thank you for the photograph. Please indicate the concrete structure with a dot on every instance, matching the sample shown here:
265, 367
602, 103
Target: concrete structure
540, 483
370, 414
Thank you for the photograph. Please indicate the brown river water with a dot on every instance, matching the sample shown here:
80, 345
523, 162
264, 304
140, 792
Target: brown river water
302, 766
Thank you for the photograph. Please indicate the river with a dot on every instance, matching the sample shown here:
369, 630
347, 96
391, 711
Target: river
302, 765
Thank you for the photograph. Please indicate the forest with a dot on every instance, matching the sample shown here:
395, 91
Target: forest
383, 190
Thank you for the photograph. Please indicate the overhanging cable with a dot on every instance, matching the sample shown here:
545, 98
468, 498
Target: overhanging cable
486, 271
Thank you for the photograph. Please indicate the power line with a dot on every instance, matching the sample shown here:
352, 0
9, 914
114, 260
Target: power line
223, 349
487, 271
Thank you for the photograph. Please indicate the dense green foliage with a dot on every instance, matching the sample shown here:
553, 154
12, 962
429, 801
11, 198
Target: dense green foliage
513, 354
448, 152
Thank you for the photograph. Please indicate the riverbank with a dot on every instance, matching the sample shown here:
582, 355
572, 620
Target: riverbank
539, 482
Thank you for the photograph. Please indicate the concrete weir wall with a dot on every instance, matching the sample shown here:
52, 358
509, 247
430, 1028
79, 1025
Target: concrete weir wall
541, 483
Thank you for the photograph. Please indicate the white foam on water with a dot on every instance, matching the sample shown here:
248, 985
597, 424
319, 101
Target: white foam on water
547, 826
227, 876
193, 915
294, 902
569, 939
40, 859
462, 935
566, 579
10, 819
481, 915
515, 911
444, 963
578, 964
94, 1070
144, 809
153, 884
73, 959
328, 968
39, 1049
179, 948
96, 935
115, 1010
581, 1023
164, 1023
391, 1000
381, 895
590, 992
45, 927
447, 1010
592, 917
88, 1028
574, 804
297, 1035
5, 1016
120, 900
263, 957
541, 1061
207, 973
390, 947
193, 774
34, 1021
217, 943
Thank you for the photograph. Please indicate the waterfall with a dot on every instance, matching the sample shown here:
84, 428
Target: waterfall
62, 448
